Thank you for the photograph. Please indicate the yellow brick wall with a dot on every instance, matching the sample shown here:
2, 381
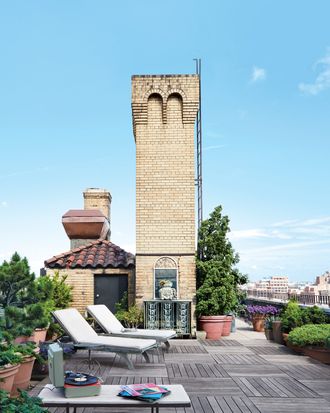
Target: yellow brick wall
82, 281
164, 111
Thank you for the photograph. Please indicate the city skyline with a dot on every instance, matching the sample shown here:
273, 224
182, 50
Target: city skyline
65, 120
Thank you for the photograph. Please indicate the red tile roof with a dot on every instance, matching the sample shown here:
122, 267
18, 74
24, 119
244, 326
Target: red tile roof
96, 254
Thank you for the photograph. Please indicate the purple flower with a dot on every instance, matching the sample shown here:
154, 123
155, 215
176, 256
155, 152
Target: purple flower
262, 309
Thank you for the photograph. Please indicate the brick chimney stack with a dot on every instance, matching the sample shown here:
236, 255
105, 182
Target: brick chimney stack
97, 198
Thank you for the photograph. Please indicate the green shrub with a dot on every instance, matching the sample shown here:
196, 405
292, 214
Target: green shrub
21, 404
131, 317
314, 315
8, 355
310, 335
291, 316
295, 316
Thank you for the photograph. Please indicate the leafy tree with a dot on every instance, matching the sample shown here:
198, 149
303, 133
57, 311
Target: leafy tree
218, 280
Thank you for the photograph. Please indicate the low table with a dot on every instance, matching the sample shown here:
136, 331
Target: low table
54, 397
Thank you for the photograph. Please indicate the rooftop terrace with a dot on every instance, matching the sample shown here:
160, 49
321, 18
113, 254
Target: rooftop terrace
240, 373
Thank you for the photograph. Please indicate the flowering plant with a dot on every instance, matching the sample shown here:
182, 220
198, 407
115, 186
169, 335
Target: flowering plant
266, 310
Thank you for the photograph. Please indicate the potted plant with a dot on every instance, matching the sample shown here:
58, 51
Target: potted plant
218, 280
269, 328
18, 290
9, 365
131, 317
258, 314
312, 340
28, 353
291, 317
20, 404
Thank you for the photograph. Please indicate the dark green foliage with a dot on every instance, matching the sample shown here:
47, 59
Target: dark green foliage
21, 404
218, 280
295, 316
28, 301
291, 316
327, 343
314, 315
8, 355
15, 276
310, 335
131, 317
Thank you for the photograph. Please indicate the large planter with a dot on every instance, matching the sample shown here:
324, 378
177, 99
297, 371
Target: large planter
23, 376
269, 334
318, 353
212, 325
39, 335
277, 332
7, 376
294, 348
227, 326
22, 339
258, 322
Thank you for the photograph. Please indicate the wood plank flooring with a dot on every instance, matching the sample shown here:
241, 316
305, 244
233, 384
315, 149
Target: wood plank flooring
242, 373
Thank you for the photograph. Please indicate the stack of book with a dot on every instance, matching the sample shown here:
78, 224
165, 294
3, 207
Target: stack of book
148, 392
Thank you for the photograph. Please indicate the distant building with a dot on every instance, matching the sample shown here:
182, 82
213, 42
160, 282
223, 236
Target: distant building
275, 287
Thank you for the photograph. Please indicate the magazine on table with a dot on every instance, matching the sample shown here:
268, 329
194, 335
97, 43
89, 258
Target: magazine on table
146, 391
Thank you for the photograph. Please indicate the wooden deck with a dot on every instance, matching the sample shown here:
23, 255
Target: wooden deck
238, 374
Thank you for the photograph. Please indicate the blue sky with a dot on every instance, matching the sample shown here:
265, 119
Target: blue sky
65, 119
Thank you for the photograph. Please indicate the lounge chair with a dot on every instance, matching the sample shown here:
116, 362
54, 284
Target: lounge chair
84, 337
112, 326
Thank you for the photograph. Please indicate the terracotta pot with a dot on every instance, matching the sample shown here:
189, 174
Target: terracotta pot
318, 353
23, 376
277, 332
7, 376
295, 348
22, 339
212, 325
269, 334
285, 338
39, 335
227, 326
258, 322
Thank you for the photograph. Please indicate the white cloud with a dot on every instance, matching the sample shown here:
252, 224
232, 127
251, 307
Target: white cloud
258, 74
207, 148
4, 204
301, 230
248, 233
322, 80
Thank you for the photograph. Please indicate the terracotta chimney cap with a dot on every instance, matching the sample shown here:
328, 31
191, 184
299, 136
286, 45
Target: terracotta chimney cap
85, 224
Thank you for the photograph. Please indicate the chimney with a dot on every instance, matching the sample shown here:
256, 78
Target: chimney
83, 226
100, 199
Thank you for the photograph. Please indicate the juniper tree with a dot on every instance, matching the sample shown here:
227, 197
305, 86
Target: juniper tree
218, 279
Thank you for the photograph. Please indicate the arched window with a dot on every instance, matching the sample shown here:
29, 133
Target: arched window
166, 272
155, 108
174, 109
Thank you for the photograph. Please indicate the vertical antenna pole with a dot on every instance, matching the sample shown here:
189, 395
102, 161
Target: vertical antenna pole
199, 180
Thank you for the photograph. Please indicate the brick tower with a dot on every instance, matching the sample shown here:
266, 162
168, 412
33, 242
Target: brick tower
164, 110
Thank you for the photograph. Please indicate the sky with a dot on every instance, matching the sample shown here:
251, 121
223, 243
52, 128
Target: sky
65, 119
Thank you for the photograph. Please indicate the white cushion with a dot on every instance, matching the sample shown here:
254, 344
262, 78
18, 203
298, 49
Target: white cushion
111, 325
105, 318
75, 324
81, 332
